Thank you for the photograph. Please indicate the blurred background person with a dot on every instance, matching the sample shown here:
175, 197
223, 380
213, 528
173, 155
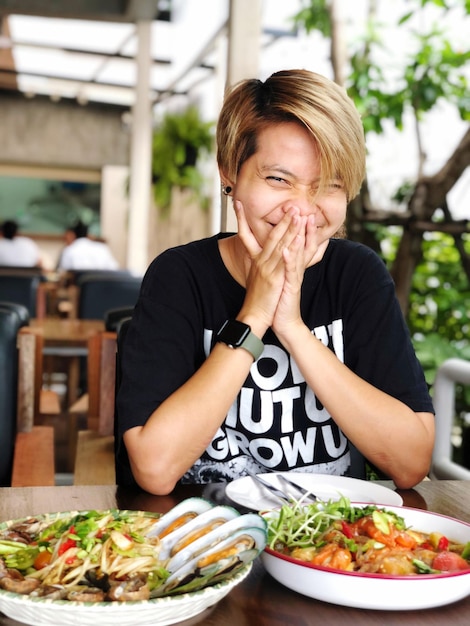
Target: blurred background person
17, 250
69, 237
83, 253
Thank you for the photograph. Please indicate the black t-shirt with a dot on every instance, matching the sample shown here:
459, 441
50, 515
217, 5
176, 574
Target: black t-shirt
348, 301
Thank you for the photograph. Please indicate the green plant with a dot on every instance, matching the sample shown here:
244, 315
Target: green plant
178, 143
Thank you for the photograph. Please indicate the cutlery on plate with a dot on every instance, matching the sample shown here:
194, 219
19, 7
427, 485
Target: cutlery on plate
274, 490
308, 495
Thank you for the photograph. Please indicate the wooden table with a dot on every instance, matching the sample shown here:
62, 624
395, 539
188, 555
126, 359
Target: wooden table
66, 333
67, 338
259, 600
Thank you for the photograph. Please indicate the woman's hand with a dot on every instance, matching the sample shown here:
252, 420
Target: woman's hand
264, 267
274, 272
297, 258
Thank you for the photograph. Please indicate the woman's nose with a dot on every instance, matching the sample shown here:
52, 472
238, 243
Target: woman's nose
305, 201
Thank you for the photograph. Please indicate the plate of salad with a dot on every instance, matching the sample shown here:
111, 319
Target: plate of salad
368, 556
83, 568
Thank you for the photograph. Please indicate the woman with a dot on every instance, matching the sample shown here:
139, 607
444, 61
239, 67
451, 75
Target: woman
281, 346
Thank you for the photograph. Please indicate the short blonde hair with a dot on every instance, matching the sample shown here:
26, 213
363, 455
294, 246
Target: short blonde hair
301, 96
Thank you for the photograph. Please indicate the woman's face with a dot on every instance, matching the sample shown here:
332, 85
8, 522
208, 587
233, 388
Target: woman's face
282, 174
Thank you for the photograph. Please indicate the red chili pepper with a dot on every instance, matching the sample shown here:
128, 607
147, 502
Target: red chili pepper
346, 530
68, 543
443, 544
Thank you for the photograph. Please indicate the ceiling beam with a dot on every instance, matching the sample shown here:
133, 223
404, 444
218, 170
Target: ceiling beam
130, 11
197, 62
9, 72
15, 43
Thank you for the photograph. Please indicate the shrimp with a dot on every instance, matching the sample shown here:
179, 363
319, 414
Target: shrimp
333, 555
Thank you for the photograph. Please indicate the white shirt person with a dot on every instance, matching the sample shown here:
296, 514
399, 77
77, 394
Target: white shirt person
85, 253
16, 250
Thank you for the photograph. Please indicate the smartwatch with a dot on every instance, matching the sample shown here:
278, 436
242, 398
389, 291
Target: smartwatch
238, 335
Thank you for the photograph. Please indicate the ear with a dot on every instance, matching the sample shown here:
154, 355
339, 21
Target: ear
225, 180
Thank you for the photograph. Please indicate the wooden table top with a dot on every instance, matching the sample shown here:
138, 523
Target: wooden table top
65, 331
259, 600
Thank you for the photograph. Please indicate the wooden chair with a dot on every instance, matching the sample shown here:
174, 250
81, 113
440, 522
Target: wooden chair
94, 457
28, 450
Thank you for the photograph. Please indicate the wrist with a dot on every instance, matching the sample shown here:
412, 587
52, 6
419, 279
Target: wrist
293, 334
237, 334
258, 325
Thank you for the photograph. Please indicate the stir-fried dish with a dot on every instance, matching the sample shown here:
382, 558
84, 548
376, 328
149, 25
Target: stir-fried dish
361, 539
88, 556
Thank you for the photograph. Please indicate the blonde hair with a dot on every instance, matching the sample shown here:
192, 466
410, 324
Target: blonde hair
301, 96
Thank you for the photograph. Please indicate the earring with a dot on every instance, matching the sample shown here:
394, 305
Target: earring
226, 189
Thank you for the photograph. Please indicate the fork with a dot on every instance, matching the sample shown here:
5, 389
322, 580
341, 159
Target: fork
307, 495
274, 490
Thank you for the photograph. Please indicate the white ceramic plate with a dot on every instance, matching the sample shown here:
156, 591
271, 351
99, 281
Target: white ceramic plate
246, 492
158, 612
376, 591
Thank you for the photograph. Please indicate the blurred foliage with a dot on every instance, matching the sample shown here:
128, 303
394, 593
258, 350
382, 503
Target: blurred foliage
439, 318
314, 15
179, 142
434, 70
439, 314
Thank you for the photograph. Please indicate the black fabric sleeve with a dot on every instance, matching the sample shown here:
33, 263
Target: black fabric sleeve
164, 345
377, 340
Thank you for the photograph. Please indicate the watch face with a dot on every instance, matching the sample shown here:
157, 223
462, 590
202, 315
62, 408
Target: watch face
233, 333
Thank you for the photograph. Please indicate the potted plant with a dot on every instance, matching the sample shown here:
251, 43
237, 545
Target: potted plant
178, 143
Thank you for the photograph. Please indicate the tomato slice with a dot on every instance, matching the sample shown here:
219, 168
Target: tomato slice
443, 544
42, 559
449, 562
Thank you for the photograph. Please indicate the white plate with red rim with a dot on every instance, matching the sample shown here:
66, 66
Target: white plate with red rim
246, 492
379, 591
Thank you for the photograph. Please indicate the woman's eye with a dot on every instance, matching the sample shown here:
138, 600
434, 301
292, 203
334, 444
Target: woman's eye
276, 180
334, 186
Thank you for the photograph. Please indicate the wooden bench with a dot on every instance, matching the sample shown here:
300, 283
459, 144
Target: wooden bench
33, 461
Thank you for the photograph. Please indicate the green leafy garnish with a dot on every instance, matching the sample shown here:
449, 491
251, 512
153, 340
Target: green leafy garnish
466, 551
424, 568
299, 525
22, 559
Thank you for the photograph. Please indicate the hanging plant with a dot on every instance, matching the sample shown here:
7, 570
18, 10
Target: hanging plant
178, 143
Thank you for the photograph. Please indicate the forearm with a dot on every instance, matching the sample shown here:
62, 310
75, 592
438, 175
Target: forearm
181, 428
386, 431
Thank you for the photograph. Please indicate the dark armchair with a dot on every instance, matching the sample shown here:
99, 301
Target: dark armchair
99, 294
21, 288
27, 456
